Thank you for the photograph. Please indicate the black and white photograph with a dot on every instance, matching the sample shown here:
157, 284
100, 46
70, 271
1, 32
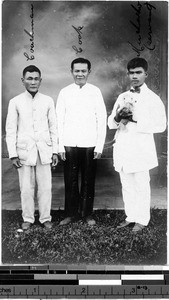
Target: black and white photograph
84, 133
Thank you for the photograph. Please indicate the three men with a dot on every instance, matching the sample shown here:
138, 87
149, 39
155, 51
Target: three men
31, 136
81, 121
81, 117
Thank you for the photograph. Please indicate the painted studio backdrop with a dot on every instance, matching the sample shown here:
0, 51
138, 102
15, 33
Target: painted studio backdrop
50, 34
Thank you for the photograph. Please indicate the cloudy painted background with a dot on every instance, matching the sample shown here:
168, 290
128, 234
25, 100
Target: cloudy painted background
109, 29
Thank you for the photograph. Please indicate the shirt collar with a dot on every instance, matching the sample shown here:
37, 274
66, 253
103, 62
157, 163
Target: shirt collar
78, 87
28, 95
143, 87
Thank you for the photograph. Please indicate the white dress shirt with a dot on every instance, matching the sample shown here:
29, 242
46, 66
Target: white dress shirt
30, 126
81, 116
134, 148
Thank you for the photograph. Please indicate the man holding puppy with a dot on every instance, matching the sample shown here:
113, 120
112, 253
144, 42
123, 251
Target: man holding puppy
137, 114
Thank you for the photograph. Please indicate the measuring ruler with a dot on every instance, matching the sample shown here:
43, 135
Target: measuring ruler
76, 291
46, 283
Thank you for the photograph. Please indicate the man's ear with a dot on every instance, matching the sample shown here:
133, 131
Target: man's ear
22, 79
146, 74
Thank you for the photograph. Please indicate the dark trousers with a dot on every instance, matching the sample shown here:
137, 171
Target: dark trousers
79, 201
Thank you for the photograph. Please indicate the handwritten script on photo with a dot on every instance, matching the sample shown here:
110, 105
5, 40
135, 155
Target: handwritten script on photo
141, 45
79, 31
31, 35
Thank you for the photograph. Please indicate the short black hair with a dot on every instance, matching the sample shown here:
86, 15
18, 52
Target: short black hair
136, 63
31, 69
81, 60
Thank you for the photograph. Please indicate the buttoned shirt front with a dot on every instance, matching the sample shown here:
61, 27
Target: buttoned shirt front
81, 116
134, 148
31, 126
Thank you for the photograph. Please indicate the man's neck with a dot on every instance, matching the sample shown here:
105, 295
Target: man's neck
137, 86
32, 94
81, 85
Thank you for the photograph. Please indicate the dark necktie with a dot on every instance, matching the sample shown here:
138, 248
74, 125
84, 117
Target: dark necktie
135, 90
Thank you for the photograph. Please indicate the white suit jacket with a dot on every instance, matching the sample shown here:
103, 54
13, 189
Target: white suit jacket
134, 147
81, 116
31, 127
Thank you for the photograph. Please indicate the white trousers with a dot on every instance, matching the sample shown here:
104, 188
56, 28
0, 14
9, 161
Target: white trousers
136, 196
28, 178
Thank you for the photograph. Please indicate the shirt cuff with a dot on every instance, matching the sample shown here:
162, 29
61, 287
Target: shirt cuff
98, 149
61, 149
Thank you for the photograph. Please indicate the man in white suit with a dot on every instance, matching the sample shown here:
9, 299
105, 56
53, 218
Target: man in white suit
137, 114
31, 136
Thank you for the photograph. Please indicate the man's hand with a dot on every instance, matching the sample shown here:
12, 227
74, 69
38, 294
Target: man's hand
54, 160
122, 113
97, 155
62, 156
16, 162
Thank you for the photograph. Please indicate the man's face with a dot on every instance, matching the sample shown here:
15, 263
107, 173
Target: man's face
32, 81
137, 76
80, 73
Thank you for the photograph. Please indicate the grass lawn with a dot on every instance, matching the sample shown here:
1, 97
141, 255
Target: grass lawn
78, 243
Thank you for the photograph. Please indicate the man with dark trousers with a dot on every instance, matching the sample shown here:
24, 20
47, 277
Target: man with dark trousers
81, 116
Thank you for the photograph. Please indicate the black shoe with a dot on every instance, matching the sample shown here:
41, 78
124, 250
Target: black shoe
125, 224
